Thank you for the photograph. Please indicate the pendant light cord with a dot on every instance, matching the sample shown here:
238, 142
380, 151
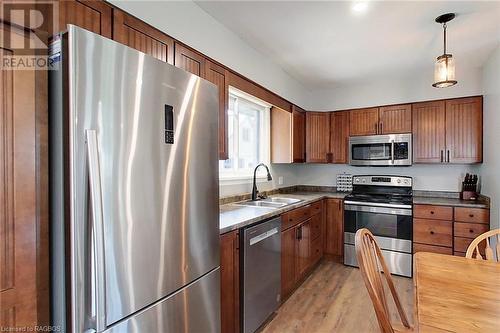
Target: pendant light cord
444, 39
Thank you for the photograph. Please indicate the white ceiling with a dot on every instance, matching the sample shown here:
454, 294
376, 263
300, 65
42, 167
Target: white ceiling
325, 43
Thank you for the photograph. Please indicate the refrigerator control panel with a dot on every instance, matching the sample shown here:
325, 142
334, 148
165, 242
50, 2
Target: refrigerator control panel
169, 124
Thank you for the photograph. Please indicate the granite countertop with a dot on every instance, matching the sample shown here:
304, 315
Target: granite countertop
234, 216
482, 202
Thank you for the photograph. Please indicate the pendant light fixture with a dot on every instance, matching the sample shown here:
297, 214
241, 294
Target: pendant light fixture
444, 70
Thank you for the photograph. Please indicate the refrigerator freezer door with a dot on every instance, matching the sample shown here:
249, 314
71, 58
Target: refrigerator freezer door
156, 133
194, 308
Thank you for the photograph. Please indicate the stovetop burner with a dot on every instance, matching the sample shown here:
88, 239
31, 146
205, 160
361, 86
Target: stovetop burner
393, 190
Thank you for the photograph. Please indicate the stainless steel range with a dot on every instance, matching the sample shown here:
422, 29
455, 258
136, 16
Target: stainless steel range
383, 205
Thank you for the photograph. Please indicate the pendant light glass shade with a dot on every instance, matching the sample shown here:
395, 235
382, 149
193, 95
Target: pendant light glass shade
444, 71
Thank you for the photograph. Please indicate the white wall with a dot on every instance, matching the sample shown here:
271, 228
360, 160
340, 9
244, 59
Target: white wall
490, 170
411, 87
185, 21
426, 177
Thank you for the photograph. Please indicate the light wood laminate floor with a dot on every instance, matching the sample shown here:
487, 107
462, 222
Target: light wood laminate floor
334, 299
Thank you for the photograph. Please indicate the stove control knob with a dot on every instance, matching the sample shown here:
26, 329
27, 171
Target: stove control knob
407, 182
356, 180
399, 181
364, 180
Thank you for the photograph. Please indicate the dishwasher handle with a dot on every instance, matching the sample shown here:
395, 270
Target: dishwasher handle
262, 236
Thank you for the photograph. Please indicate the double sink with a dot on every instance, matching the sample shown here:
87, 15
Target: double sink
275, 202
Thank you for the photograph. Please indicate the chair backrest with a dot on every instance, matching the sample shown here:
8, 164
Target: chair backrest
490, 238
371, 263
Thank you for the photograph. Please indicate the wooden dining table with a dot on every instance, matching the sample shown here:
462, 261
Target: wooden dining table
455, 294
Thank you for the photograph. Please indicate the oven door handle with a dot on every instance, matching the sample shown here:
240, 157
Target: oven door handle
380, 210
392, 151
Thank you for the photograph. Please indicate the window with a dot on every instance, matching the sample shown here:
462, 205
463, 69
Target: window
248, 136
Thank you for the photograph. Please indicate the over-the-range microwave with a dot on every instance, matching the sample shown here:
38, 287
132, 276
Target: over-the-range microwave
380, 150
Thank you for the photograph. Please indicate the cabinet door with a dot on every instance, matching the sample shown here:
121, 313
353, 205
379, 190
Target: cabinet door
303, 248
298, 134
189, 60
317, 137
288, 261
334, 244
363, 122
428, 121
24, 247
464, 130
95, 16
218, 76
339, 137
230, 282
133, 32
395, 119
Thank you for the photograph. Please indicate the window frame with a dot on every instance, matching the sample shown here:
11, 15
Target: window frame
243, 176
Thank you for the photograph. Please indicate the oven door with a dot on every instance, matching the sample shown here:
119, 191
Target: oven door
391, 226
380, 150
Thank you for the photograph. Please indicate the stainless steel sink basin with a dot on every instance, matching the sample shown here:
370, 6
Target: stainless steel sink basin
276, 202
287, 201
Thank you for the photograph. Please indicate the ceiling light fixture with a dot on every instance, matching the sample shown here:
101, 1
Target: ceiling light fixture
444, 70
359, 6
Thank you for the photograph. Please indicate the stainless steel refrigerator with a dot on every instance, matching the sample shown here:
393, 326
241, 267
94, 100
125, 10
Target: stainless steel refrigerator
134, 183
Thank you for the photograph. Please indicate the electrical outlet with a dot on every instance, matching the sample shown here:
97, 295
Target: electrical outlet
280, 180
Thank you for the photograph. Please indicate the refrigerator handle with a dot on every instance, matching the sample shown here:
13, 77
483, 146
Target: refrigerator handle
97, 231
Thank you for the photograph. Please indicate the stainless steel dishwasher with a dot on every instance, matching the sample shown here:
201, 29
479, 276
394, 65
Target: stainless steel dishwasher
261, 283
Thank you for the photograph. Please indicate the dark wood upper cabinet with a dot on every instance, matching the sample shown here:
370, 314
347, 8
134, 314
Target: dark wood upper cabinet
298, 134
464, 130
95, 16
317, 137
132, 32
339, 137
334, 244
229, 281
428, 132
363, 122
218, 75
395, 119
189, 60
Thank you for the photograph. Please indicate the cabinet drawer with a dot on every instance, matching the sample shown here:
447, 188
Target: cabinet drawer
295, 216
431, 248
461, 244
433, 212
316, 250
433, 232
472, 215
469, 230
317, 207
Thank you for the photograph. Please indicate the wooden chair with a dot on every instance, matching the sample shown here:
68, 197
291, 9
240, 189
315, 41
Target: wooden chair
371, 262
488, 236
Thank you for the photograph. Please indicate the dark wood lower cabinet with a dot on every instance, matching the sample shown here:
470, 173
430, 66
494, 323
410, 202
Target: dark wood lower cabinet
230, 282
334, 240
301, 245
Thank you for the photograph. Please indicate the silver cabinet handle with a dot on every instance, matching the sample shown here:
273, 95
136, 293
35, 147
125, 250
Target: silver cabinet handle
262, 236
97, 230
448, 156
441, 156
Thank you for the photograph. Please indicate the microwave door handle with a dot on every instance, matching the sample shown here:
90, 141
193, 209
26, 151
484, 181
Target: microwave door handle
97, 231
392, 151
